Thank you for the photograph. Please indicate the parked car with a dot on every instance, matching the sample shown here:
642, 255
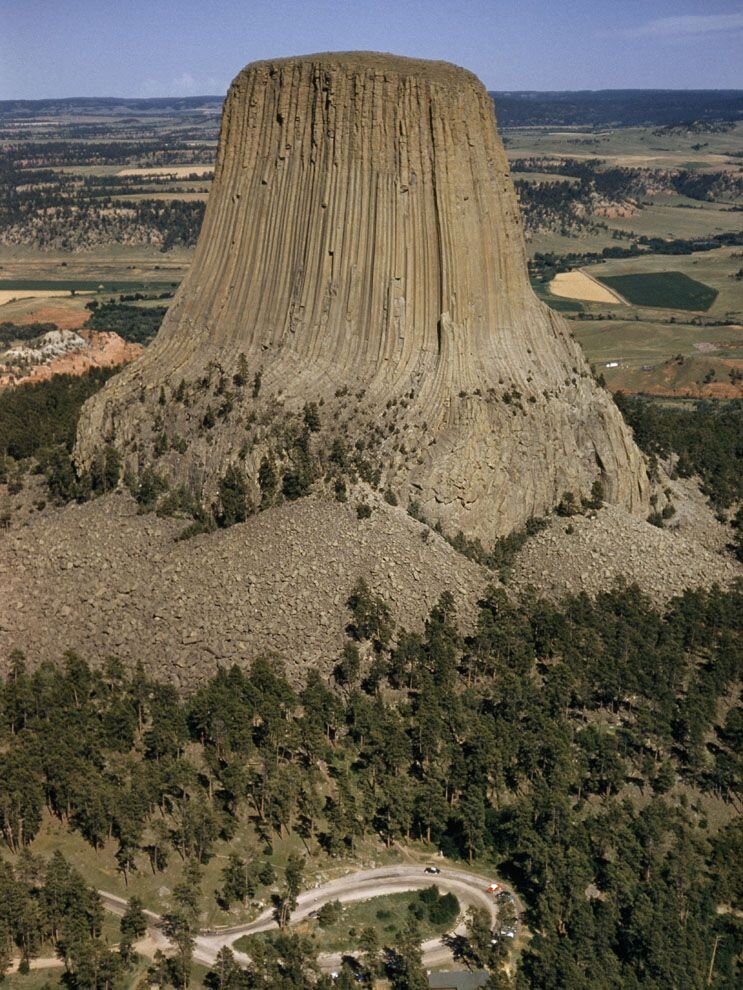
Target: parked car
432, 869
493, 888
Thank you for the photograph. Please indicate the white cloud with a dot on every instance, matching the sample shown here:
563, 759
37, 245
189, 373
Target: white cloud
687, 26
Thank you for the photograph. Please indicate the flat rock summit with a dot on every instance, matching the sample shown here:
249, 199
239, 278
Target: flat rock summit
359, 296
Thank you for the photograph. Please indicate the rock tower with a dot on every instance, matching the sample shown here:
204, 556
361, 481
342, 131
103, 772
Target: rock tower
359, 303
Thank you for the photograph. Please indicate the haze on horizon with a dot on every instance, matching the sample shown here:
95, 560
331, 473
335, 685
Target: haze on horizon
147, 48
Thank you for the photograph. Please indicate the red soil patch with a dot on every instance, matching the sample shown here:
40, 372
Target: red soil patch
105, 351
681, 380
66, 318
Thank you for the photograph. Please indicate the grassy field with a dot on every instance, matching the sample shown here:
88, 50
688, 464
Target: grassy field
679, 217
39, 978
34, 980
553, 242
638, 342
387, 915
663, 358
542, 177
663, 290
715, 269
631, 146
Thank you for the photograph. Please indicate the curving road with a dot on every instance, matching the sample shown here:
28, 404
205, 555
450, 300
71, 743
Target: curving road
469, 888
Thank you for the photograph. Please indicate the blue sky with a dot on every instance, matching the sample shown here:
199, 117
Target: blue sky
56, 48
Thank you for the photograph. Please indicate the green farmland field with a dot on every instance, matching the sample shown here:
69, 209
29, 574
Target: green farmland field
662, 290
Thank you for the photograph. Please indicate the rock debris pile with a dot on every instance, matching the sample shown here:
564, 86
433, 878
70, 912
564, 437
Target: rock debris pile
103, 580
590, 553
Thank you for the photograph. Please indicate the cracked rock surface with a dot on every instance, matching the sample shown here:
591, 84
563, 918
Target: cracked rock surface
362, 250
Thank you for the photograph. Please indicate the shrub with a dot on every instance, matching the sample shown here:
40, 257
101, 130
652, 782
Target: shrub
371, 616
233, 497
329, 914
567, 505
151, 486
312, 417
295, 484
267, 481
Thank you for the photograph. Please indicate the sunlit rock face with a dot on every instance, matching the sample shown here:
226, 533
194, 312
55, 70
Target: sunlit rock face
362, 250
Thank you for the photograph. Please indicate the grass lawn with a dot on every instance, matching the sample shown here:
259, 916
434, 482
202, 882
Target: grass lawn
627, 146
663, 290
388, 915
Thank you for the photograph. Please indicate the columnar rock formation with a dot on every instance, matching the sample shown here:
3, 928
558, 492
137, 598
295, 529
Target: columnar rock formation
362, 250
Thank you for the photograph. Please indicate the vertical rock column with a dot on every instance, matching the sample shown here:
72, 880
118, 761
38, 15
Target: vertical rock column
362, 240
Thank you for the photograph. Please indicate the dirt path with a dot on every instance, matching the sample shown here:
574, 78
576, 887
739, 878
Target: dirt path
469, 889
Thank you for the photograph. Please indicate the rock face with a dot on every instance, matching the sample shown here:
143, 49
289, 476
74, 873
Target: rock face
362, 250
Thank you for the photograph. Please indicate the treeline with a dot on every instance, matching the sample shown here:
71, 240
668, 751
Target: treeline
11, 333
51, 208
588, 184
136, 324
620, 183
522, 742
166, 150
177, 221
681, 245
616, 108
708, 441
47, 905
41, 416
545, 265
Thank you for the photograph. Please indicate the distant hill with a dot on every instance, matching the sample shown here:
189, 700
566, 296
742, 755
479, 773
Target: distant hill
617, 107
114, 105
516, 108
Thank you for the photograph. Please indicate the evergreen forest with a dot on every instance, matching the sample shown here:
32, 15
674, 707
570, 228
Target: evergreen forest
575, 748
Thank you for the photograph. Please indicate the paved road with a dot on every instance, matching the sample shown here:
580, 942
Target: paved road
468, 888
